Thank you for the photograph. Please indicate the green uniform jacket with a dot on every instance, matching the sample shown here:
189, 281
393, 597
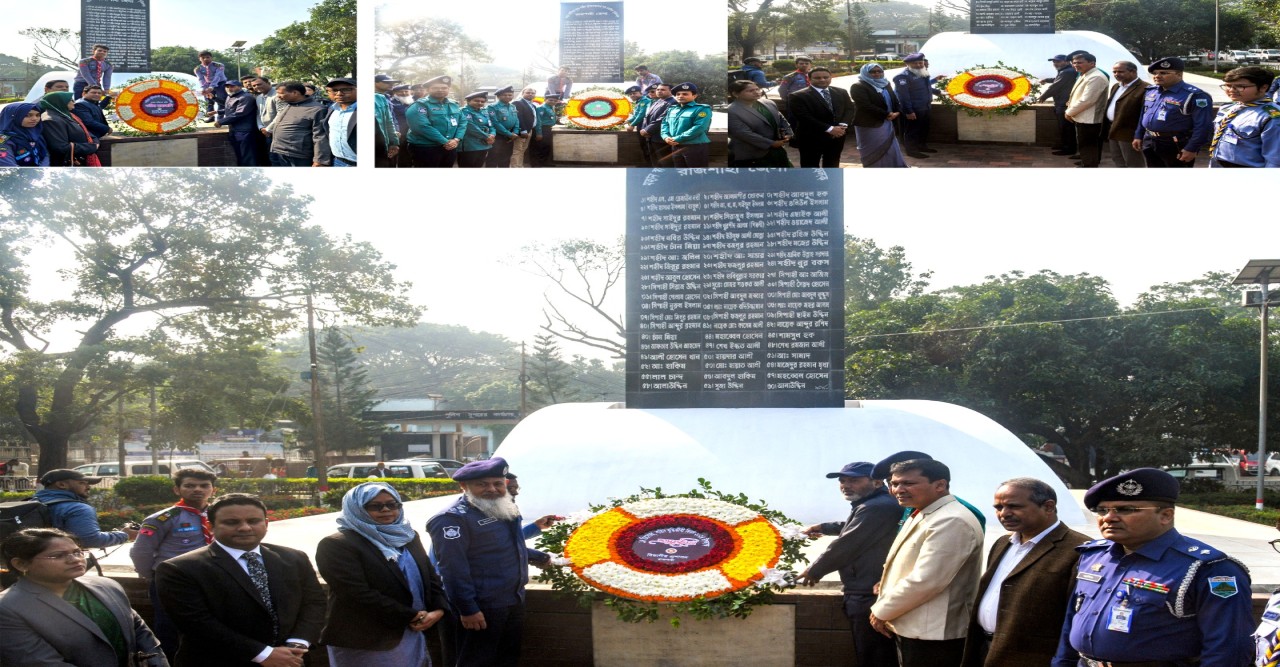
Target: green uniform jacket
505, 119
546, 118
637, 111
479, 129
433, 123
687, 123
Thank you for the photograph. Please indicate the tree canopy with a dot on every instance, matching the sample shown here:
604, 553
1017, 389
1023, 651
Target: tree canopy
140, 275
316, 50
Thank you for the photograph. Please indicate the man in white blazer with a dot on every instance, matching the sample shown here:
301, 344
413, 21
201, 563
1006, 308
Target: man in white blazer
1087, 107
931, 574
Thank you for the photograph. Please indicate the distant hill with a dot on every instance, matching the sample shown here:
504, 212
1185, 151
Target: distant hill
908, 17
17, 67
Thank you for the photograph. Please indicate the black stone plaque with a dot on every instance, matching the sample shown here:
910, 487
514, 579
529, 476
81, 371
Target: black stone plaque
591, 41
735, 288
124, 26
1011, 16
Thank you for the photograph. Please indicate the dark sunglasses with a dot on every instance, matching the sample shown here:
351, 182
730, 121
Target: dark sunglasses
378, 507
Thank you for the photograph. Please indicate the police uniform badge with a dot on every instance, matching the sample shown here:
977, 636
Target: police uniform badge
1164, 64
702, 114
1223, 587
1201, 103
1129, 487
452, 532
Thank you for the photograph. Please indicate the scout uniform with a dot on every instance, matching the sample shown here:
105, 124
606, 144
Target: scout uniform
506, 122
1266, 638
1246, 135
475, 141
1172, 601
432, 124
542, 148
168, 533
687, 124
1175, 119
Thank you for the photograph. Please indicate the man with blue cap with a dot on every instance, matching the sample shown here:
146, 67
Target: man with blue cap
1146, 594
1176, 120
239, 114
1059, 91
484, 565
858, 554
915, 91
685, 126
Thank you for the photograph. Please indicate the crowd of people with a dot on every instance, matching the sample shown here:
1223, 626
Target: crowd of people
916, 591
420, 125
1166, 123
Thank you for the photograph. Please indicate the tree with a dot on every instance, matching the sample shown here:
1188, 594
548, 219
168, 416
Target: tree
808, 22
748, 27
873, 275
347, 395
677, 66
550, 378
419, 49
60, 46
585, 272
318, 49
1156, 28
169, 275
860, 38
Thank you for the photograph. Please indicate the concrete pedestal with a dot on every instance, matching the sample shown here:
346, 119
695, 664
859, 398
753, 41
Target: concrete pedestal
1018, 128
766, 637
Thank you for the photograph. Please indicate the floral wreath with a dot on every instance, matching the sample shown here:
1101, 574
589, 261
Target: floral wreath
598, 108
705, 553
157, 105
1000, 89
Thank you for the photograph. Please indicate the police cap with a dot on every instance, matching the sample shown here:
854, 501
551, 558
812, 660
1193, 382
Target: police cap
443, 78
1174, 64
63, 474
913, 57
385, 78
551, 96
494, 467
686, 86
507, 89
1060, 58
857, 469
881, 471
347, 80
232, 82
478, 93
632, 89
1139, 484
403, 86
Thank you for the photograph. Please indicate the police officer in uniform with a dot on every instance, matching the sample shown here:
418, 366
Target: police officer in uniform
1146, 595
915, 91
436, 126
636, 120
172, 532
1246, 133
506, 123
543, 138
480, 134
399, 99
1177, 118
685, 126
484, 565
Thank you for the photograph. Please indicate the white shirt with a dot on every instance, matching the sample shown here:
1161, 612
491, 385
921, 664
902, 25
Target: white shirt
238, 555
1017, 550
1111, 108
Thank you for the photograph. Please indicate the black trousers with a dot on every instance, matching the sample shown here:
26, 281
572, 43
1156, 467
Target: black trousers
659, 155
1089, 143
498, 645
824, 154
644, 147
433, 157
541, 150
691, 155
499, 156
380, 159
870, 648
163, 628
930, 653
243, 146
1162, 152
1066, 130
471, 159
915, 133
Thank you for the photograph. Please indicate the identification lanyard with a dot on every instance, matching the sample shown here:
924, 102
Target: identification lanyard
1120, 617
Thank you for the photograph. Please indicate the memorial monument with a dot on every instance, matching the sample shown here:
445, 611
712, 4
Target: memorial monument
124, 25
591, 41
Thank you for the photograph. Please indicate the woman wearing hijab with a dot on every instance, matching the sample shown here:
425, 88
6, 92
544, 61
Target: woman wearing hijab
757, 131
875, 109
21, 144
383, 592
69, 141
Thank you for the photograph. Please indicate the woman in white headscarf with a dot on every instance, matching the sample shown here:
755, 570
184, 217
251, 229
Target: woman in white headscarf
383, 591
875, 109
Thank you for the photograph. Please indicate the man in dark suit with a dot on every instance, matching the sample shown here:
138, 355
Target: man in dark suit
238, 601
651, 127
1059, 90
341, 121
1124, 107
822, 117
1022, 597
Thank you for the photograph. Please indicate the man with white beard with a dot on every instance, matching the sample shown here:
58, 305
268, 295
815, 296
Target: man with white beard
915, 90
484, 565
858, 555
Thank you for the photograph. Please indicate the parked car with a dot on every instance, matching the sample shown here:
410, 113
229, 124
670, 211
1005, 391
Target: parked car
397, 469
139, 468
1270, 55
1249, 464
450, 466
1192, 59
1239, 57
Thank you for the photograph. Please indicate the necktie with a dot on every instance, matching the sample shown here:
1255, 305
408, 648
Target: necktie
1222, 126
826, 97
258, 574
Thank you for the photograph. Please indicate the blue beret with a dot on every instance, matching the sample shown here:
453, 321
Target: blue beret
913, 57
858, 469
1175, 64
1138, 484
685, 86
881, 471
494, 467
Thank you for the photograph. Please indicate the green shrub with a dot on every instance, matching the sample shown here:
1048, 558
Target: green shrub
783, 66
145, 490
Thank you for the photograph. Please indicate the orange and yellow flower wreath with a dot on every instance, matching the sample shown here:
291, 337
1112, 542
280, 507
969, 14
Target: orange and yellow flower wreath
157, 106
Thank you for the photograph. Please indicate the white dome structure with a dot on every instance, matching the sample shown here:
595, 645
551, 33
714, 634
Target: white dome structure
953, 52
571, 455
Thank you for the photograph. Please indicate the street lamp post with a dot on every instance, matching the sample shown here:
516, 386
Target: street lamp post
237, 47
1259, 272
1216, 54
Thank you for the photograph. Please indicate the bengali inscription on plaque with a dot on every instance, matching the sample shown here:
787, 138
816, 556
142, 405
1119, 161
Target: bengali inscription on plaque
591, 41
124, 26
1011, 16
735, 292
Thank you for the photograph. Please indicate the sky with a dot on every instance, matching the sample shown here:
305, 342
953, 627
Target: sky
204, 25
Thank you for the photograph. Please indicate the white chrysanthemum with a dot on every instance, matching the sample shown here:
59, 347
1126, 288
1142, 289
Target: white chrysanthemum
726, 512
688, 585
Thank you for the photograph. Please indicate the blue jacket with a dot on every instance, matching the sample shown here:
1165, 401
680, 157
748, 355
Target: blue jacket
483, 561
92, 116
914, 92
1182, 110
71, 513
240, 114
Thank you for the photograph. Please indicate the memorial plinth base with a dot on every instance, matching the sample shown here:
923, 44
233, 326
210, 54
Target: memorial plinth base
606, 148
203, 148
945, 126
766, 637
1018, 128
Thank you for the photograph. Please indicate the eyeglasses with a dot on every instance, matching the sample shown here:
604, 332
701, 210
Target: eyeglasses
1239, 86
378, 507
1123, 510
66, 555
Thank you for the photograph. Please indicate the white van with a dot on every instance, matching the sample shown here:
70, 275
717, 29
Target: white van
139, 468
396, 469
